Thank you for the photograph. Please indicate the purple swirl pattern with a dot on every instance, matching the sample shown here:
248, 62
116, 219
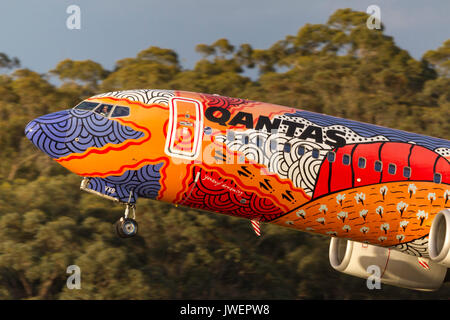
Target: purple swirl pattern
65, 132
144, 182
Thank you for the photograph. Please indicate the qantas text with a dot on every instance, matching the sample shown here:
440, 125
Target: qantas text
331, 137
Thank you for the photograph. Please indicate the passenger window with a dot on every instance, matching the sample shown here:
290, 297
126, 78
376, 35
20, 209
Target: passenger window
287, 147
86, 106
392, 169
362, 163
273, 145
378, 166
258, 142
315, 154
230, 135
104, 110
437, 178
120, 112
407, 172
301, 151
245, 139
331, 156
346, 159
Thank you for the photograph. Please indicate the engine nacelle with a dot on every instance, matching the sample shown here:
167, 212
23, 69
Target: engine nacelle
395, 268
439, 239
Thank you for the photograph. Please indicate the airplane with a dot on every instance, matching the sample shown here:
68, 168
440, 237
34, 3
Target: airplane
381, 195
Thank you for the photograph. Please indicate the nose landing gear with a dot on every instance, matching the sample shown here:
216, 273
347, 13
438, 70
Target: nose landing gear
127, 227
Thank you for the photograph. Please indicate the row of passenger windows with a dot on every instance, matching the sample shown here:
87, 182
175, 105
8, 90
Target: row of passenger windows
105, 110
331, 157
378, 166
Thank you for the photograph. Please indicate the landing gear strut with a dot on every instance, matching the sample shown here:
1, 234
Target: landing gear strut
126, 226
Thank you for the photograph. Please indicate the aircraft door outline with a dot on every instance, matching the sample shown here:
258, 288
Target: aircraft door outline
185, 129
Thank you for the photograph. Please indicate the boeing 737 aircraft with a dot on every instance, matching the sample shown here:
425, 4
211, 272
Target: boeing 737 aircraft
382, 195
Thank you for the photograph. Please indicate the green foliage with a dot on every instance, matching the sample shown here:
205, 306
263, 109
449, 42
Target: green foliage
85, 71
339, 68
440, 58
152, 68
8, 63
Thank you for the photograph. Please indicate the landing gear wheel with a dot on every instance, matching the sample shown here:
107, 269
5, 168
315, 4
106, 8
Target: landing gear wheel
126, 227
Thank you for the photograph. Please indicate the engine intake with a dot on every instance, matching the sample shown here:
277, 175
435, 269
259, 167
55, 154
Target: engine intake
439, 239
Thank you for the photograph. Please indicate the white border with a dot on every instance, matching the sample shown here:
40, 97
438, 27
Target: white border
171, 130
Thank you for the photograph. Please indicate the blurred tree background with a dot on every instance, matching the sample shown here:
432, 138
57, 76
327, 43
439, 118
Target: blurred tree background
339, 68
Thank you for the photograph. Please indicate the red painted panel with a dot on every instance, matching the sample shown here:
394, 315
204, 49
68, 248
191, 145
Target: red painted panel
443, 167
422, 163
364, 177
398, 154
341, 174
322, 182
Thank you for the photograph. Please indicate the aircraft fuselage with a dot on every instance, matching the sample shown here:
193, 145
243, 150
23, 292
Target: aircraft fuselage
254, 160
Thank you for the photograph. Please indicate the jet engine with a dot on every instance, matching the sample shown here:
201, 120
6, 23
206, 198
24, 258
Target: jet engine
386, 265
439, 238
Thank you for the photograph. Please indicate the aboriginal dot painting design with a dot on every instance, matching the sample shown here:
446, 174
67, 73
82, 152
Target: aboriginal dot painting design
66, 132
144, 182
286, 166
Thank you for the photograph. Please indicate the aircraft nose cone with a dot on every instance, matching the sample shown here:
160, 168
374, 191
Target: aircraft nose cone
63, 133
31, 127
49, 133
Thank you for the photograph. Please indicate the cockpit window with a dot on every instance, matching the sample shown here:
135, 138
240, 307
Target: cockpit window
87, 106
120, 112
104, 110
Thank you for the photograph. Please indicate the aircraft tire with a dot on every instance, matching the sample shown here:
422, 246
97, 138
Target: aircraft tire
126, 227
